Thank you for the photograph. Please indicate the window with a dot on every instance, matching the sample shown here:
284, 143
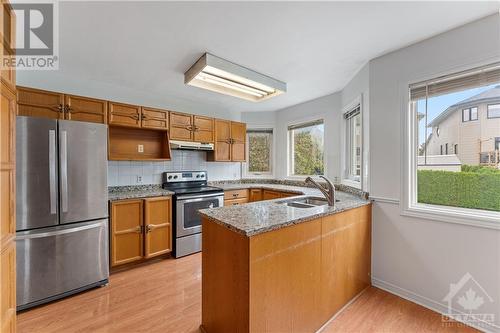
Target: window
260, 142
306, 149
353, 144
469, 114
451, 187
494, 111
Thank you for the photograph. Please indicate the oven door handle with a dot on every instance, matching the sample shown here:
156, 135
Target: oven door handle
193, 198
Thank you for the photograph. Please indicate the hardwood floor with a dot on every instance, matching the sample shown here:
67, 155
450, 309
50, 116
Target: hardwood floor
165, 296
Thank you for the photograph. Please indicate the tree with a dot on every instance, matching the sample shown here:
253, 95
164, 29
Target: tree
308, 154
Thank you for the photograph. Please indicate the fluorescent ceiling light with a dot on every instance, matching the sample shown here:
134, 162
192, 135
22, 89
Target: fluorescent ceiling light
219, 75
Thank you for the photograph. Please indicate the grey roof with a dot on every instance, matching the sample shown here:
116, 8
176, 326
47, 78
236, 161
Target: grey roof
489, 96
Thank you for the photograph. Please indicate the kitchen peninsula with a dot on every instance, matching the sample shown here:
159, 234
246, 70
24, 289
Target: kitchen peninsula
277, 266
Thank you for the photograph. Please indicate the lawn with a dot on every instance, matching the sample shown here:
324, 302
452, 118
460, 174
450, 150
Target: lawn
473, 187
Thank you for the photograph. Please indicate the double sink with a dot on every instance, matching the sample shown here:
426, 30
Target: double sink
307, 202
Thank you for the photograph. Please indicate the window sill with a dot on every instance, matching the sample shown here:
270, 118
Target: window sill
351, 183
464, 216
259, 176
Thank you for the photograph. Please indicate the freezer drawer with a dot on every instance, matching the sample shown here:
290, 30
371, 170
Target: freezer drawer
55, 261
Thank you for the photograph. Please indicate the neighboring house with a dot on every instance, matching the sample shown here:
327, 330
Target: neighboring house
469, 129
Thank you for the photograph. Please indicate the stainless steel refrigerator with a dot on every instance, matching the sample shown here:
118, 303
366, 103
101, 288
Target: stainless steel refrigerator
62, 212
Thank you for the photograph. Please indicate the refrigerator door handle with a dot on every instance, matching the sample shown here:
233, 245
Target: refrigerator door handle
58, 232
64, 170
52, 172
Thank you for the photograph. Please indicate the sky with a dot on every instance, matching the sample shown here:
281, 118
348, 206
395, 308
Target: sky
438, 104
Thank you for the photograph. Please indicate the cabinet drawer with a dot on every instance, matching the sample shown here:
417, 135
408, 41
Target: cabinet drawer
235, 194
234, 202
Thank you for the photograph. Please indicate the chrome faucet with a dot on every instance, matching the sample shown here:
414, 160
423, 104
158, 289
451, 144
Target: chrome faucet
328, 193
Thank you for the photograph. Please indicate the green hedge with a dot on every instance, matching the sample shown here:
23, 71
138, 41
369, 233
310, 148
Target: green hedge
459, 189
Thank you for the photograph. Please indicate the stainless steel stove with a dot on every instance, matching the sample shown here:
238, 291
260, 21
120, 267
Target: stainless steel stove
191, 194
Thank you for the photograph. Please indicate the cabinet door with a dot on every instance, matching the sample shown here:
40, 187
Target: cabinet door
255, 194
269, 195
154, 118
7, 47
39, 103
181, 126
86, 109
8, 289
238, 136
158, 226
222, 140
7, 165
124, 115
238, 131
203, 129
126, 231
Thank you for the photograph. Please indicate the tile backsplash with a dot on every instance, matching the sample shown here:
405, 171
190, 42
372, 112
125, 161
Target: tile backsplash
121, 173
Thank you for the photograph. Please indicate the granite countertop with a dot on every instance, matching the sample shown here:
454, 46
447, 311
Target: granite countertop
258, 217
139, 191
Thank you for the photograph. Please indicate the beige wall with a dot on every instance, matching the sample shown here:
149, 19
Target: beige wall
466, 135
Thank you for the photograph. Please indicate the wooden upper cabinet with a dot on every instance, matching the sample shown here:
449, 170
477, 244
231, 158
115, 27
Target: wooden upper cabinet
158, 226
154, 118
8, 29
40, 103
222, 141
238, 138
181, 126
230, 141
126, 231
85, 109
238, 131
127, 115
203, 129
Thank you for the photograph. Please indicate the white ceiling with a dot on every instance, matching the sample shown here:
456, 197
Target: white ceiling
315, 48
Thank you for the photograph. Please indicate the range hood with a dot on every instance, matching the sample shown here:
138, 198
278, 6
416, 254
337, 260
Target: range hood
188, 145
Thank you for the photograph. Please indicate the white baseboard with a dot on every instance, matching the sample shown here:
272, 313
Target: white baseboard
428, 303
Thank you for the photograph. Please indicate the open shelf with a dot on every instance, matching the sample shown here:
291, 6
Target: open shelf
123, 144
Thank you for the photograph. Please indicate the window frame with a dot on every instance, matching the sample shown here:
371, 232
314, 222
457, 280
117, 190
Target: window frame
409, 137
488, 111
260, 175
289, 155
346, 177
469, 113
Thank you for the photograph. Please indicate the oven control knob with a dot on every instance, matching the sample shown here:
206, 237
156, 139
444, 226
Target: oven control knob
175, 177
202, 176
169, 177
198, 176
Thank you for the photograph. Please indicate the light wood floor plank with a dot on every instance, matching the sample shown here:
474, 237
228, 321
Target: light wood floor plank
165, 296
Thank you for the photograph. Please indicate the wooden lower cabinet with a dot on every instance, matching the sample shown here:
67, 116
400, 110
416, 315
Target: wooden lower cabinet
254, 194
8, 288
126, 231
293, 279
157, 225
140, 228
270, 195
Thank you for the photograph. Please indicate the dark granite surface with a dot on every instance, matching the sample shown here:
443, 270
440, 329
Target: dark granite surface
137, 191
262, 216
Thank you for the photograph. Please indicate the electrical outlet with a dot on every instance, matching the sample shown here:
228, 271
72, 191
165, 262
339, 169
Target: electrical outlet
140, 148
139, 180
